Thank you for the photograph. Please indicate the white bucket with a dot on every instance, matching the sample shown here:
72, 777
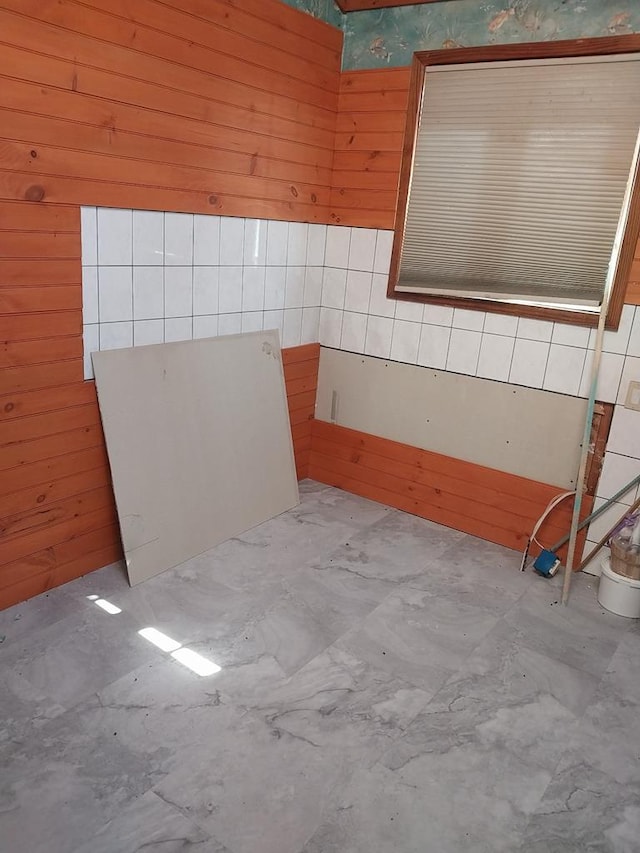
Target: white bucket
617, 593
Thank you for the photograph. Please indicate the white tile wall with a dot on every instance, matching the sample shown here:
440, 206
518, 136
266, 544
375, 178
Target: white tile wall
150, 277
144, 266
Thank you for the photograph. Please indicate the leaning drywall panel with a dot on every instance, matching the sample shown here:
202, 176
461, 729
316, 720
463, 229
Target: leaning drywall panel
523, 431
199, 444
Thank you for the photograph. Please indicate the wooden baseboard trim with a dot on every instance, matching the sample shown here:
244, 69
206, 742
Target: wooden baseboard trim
486, 503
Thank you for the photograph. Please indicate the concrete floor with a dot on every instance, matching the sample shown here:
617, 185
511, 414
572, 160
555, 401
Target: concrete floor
386, 684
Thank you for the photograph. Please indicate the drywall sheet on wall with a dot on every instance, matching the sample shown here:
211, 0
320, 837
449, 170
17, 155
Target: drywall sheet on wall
199, 444
523, 431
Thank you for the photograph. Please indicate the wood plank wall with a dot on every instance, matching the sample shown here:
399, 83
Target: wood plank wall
490, 504
184, 105
369, 137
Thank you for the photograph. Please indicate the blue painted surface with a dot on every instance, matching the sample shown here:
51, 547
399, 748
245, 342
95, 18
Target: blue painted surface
388, 37
326, 10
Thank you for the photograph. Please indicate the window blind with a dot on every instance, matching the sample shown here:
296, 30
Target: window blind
518, 178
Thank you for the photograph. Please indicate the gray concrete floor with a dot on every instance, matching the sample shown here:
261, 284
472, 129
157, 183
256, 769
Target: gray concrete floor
385, 684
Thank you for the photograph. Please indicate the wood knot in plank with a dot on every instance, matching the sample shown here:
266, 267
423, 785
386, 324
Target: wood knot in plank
34, 193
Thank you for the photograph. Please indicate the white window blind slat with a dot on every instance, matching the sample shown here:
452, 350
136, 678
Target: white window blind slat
518, 177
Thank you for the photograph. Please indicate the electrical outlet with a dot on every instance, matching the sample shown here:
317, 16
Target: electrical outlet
633, 396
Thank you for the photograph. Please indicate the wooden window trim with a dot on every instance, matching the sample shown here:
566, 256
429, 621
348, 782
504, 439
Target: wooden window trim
496, 53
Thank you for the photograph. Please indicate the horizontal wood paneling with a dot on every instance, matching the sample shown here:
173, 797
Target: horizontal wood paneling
168, 106
489, 504
369, 136
184, 105
301, 377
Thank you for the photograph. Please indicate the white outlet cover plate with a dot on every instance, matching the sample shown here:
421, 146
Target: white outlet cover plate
633, 396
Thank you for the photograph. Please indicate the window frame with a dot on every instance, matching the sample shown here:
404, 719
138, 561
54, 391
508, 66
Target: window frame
501, 53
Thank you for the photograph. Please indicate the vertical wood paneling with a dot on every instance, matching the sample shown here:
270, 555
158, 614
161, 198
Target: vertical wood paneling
185, 105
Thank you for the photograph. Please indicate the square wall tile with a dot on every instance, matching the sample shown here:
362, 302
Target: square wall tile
206, 283
274, 288
115, 294
569, 335
337, 248
91, 343
630, 373
253, 289
116, 335
231, 241
618, 341
624, 437
463, 318
148, 293
496, 352
251, 321
534, 330
205, 326
178, 293
275, 320
178, 239
255, 242
89, 236
330, 327
316, 242
297, 244
438, 315
529, 363
380, 304
611, 365
362, 249
464, 350
334, 286
500, 324
178, 329
601, 525
229, 324
115, 237
230, 291
358, 292
564, 369
354, 331
148, 238
277, 243
379, 335
406, 310
89, 295
294, 289
405, 341
633, 347
292, 328
434, 346
617, 471
313, 287
147, 332
382, 259
206, 240
310, 326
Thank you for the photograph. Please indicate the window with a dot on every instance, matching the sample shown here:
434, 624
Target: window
516, 174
